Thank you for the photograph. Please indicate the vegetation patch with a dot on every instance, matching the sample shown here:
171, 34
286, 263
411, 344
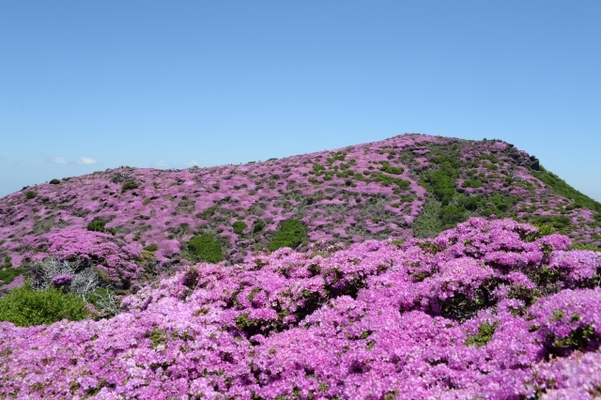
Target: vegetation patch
26, 307
205, 248
291, 233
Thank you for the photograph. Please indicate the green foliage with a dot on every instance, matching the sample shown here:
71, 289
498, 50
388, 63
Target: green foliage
386, 167
258, 226
205, 248
152, 248
559, 186
97, 225
388, 180
483, 336
442, 184
208, 213
249, 326
8, 273
239, 227
55, 181
451, 215
428, 222
129, 186
472, 183
30, 194
579, 338
157, 337
291, 233
556, 222
585, 246
26, 307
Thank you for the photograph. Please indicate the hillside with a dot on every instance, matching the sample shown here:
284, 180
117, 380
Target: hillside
136, 222
415, 267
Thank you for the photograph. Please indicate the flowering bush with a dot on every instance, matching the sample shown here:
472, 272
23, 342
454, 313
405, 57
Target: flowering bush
489, 309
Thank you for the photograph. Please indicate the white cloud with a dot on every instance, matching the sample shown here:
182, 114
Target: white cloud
86, 161
59, 160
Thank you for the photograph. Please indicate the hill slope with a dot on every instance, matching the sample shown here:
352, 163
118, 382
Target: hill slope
132, 221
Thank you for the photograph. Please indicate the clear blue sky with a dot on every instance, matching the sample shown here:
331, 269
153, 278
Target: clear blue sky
90, 85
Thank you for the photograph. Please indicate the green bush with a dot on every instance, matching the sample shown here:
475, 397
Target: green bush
205, 248
387, 180
129, 186
30, 194
472, 183
558, 222
386, 167
585, 246
55, 182
291, 233
151, 248
258, 226
97, 225
26, 307
239, 227
451, 216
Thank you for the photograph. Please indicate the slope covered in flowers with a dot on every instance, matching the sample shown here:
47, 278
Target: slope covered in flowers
489, 309
134, 222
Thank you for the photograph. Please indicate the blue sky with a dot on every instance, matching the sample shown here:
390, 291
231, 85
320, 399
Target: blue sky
91, 85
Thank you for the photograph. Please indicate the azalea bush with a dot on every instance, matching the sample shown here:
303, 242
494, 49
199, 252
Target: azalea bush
489, 309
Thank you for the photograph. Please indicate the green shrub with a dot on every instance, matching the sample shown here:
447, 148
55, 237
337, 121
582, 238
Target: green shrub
208, 213
30, 194
258, 226
205, 248
239, 227
558, 222
291, 233
151, 248
472, 183
387, 180
55, 181
386, 167
585, 246
129, 186
26, 307
451, 216
97, 225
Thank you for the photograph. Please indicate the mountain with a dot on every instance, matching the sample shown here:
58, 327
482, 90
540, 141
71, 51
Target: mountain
406, 283
136, 222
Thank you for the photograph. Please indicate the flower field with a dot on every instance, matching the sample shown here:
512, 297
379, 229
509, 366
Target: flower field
418, 267
489, 309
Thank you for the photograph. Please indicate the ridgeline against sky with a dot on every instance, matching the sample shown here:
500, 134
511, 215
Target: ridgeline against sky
409, 185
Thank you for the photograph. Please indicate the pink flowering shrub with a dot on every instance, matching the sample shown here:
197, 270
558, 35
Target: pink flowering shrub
421, 318
89, 249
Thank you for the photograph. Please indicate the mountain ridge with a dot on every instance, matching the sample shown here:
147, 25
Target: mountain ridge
408, 185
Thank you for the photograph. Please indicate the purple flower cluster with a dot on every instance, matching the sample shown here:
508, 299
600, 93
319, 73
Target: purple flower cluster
490, 309
62, 280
